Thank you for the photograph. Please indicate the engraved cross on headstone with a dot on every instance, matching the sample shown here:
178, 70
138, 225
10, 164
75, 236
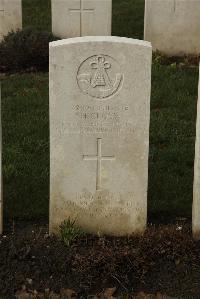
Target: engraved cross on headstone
81, 10
98, 158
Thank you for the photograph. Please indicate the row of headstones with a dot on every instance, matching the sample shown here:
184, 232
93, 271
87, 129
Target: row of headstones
99, 132
172, 26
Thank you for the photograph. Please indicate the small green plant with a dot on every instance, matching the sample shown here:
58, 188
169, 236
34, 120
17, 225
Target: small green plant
69, 231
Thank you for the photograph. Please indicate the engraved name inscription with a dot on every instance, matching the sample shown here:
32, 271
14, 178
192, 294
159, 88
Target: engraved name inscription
94, 119
105, 119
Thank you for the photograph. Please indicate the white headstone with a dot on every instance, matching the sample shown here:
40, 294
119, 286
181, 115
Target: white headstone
71, 18
10, 16
173, 26
196, 186
99, 133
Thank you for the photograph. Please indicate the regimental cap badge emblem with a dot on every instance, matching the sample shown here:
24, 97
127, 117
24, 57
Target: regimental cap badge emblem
100, 76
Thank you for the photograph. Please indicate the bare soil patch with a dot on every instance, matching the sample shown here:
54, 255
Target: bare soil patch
164, 260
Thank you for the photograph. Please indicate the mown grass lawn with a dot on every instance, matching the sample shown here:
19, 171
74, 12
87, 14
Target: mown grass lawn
25, 145
26, 133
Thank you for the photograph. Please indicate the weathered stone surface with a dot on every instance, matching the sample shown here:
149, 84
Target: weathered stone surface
72, 18
196, 186
99, 133
10, 16
173, 26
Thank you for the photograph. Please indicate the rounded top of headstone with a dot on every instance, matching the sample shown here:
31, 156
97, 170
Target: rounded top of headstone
113, 39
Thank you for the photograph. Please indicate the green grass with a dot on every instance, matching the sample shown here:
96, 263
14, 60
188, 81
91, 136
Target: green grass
37, 13
128, 18
25, 145
172, 130
172, 138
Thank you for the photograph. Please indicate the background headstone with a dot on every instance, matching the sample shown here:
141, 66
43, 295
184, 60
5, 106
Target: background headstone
10, 16
173, 26
99, 133
71, 18
196, 187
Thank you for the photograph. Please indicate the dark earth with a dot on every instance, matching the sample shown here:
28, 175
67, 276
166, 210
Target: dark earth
165, 260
